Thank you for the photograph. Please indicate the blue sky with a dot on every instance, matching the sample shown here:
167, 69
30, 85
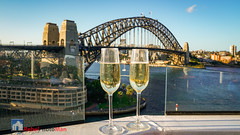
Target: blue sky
211, 25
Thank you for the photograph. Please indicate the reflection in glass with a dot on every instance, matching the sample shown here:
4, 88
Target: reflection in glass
220, 78
41, 87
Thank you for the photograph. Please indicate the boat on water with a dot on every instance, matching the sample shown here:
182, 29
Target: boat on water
124, 62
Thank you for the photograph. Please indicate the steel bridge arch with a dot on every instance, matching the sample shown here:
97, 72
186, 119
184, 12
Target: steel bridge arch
106, 33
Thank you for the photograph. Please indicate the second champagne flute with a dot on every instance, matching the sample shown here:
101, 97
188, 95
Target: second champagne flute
110, 82
139, 78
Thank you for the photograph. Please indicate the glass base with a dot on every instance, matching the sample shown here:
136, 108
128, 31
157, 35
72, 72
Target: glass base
115, 130
139, 126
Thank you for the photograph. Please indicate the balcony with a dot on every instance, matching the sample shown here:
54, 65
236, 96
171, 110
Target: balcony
171, 90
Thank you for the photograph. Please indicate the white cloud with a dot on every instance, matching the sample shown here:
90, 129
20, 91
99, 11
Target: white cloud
191, 9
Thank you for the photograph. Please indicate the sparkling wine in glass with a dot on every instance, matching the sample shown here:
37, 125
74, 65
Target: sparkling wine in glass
110, 81
139, 78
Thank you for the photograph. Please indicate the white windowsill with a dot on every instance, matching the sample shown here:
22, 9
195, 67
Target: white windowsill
163, 125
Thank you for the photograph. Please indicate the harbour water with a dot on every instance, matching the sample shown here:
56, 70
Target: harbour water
214, 89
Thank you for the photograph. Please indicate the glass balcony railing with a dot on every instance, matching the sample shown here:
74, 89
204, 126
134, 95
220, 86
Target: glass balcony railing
211, 90
45, 88
182, 90
41, 88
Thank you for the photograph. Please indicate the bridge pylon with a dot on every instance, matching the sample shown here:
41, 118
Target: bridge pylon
68, 38
50, 34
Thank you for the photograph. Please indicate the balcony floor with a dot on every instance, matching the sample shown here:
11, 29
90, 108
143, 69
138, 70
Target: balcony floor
163, 125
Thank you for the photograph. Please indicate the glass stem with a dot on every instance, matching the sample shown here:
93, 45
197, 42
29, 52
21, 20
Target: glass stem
110, 110
138, 106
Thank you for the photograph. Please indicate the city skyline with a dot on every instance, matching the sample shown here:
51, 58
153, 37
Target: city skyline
207, 25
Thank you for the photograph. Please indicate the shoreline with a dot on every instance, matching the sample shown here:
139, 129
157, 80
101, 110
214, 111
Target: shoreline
175, 66
115, 111
224, 66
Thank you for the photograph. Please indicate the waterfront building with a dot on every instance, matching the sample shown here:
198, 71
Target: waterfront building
27, 98
224, 59
233, 50
215, 57
200, 51
223, 53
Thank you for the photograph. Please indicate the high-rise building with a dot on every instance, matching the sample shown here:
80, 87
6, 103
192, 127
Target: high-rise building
233, 50
186, 49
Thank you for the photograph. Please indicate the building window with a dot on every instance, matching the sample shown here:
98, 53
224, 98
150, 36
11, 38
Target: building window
71, 43
53, 42
62, 42
44, 42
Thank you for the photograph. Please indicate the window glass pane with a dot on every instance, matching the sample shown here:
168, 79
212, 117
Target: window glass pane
37, 86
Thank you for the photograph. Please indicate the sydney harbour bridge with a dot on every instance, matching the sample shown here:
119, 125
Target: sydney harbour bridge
135, 32
51, 76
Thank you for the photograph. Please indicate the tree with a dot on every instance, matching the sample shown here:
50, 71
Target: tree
128, 87
238, 53
120, 95
95, 92
123, 86
129, 93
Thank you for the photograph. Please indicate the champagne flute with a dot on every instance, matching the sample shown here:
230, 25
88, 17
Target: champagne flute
139, 78
110, 82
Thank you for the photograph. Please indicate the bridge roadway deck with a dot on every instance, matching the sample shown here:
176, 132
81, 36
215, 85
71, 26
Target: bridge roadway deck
164, 125
92, 48
128, 48
27, 47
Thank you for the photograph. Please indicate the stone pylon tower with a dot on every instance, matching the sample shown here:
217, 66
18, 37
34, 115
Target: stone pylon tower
186, 49
69, 37
50, 35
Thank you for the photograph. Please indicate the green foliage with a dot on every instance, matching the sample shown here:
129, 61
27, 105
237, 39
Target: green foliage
125, 101
15, 66
120, 93
194, 59
130, 92
121, 57
238, 53
195, 65
95, 92
128, 87
123, 86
